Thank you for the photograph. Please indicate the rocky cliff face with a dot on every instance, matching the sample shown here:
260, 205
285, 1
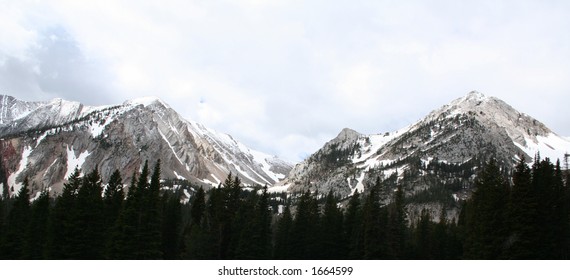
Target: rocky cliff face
46, 141
438, 155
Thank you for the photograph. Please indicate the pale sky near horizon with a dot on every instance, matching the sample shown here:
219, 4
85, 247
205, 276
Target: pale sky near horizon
285, 76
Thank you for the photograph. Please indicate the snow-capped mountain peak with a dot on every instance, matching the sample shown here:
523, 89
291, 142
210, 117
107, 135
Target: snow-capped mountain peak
471, 128
12, 108
145, 101
54, 137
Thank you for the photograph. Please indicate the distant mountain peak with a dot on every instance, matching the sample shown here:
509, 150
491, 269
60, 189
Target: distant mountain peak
145, 101
465, 132
475, 95
43, 141
348, 134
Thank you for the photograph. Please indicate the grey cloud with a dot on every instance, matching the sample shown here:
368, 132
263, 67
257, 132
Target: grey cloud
56, 67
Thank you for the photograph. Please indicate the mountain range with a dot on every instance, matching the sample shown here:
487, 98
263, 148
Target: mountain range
46, 141
435, 159
438, 156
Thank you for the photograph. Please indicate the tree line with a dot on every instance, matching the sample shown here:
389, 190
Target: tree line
524, 216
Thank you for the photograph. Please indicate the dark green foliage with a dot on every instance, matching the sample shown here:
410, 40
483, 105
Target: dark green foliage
198, 207
62, 224
114, 196
304, 231
255, 238
37, 233
195, 229
282, 247
332, 240
374, 225
397, 226
89, 223
113, 199
171, 226
523, 215
353, 226
487, 219
14, 238
528, 219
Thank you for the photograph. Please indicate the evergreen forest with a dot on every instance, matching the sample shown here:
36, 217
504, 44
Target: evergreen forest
525, 215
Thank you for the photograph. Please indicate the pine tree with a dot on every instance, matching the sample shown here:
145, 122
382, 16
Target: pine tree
353, 226
149, 229
374, 225
210, 242
440, 236
255, 239
304, 231
423, 237
171, 224
282, 248
16, 225
198, 207
523, 215
114, 196
488, 226
332, 239
397, 226
90, 229
195, 233
62, 223
37, 233
243, 229
125, 241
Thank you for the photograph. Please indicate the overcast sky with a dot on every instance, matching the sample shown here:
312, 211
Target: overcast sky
284, 77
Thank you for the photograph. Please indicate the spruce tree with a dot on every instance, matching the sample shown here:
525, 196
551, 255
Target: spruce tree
171, 225
255, 239
282, 247
332, 239
90, 229
62, 223
488, 225
17, 223
374, 225
124, 241
422, 239
244, 230
113, 199
150, 227
523, 215
195, 233
397, 226
304, 231
198, 207
36, 239
353, 226
440, 236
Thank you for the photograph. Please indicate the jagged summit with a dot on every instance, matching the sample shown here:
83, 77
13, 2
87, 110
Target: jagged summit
346, 135
11, 108
145, 101
475, 95
464, 132
50, 139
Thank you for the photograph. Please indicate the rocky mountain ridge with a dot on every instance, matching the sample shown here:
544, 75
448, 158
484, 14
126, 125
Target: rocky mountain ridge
45, 141
438, 154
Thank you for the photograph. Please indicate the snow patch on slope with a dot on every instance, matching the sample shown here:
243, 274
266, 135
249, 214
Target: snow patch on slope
74, 161
278, 189
23, 163
145, 101
551, 146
